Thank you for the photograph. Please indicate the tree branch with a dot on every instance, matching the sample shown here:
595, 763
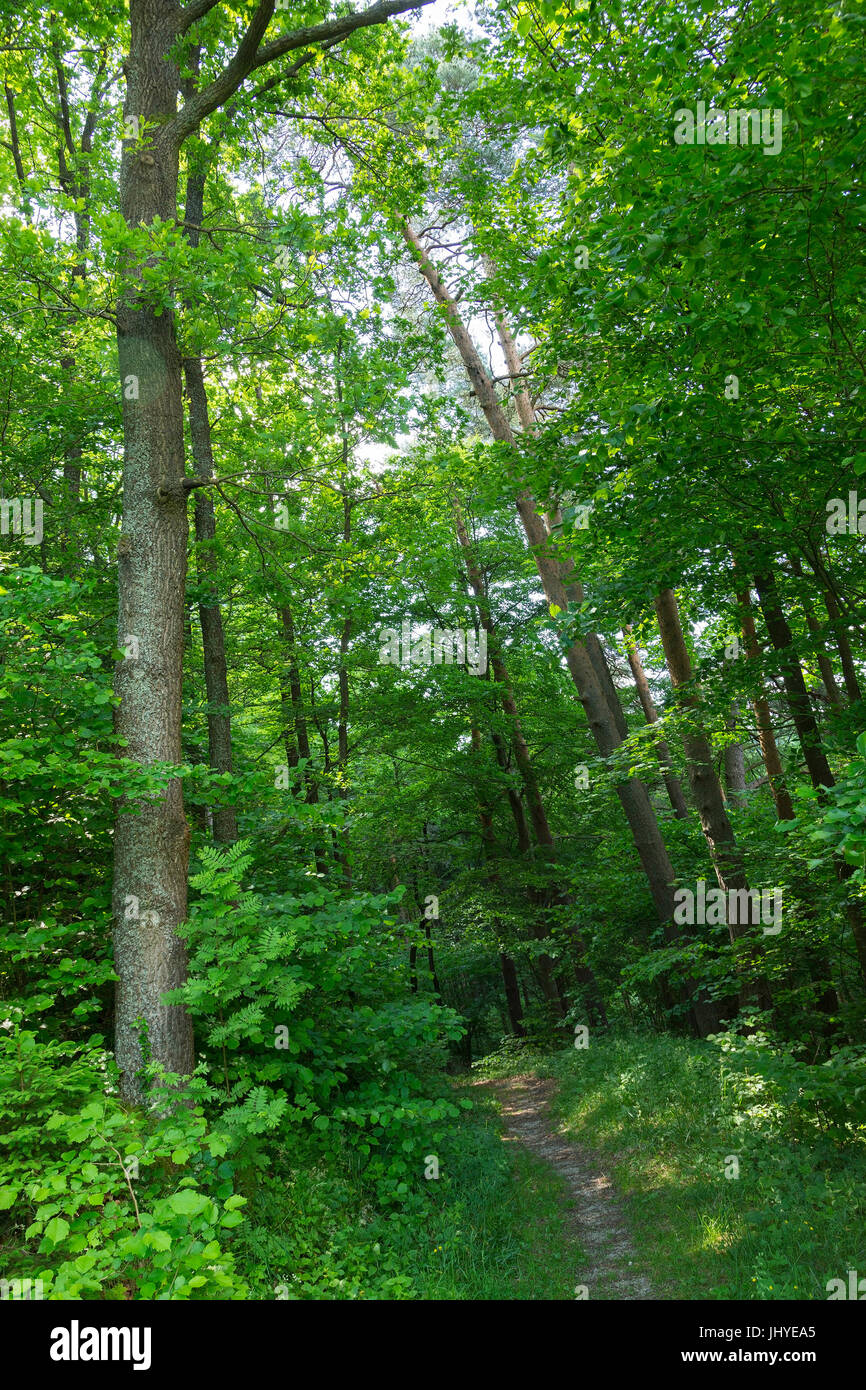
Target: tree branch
250, 56
226, 84
15, 146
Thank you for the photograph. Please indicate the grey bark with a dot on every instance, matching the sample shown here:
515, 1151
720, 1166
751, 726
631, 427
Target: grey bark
735, 764
151, 843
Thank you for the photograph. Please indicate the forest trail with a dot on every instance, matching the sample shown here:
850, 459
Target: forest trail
594, 1214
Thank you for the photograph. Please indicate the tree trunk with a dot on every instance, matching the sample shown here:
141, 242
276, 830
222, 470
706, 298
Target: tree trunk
225, 830
521, 824
725, 853
834, 694
510, 979
343, 672
807, 732
538, 816
849, 670
413, 968
151, 845
792, 677
553, 520
602, 722
735, 764
512, 995
431, 963
151, 842
537, 813
763, 717
293, 697
545, 963
676, 796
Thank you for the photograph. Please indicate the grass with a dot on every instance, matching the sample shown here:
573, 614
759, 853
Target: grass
491, 1228
668, 1119
733, 1184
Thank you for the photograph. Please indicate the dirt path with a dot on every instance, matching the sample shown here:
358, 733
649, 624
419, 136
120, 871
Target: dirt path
594, 1214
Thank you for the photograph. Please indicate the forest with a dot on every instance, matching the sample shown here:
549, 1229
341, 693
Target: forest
433, 656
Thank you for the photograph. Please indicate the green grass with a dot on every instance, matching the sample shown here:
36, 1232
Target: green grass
665, 1115
492, 1227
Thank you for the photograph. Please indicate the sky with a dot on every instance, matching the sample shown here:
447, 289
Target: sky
444, 12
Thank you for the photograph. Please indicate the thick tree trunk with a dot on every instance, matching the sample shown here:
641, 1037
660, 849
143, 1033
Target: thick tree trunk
151, 845
676, 796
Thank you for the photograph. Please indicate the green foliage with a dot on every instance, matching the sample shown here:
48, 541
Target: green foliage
331, 1008
794, 1098
303, 1019
842, 828
103, 1202
668, 1116
314, 1232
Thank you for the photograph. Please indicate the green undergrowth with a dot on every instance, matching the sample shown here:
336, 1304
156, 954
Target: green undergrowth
743, 1169
102, 1202
490, 1227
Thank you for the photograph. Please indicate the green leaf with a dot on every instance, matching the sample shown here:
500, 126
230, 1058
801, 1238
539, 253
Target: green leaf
159, 1240
188, 1202
57, 1230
